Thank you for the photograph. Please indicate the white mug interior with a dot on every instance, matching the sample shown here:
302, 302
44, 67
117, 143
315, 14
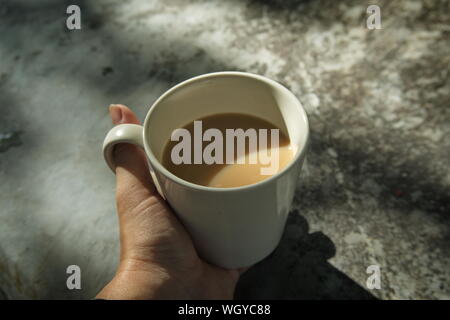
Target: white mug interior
223, 92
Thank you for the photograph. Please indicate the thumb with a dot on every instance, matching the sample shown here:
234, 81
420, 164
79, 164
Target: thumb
133, 181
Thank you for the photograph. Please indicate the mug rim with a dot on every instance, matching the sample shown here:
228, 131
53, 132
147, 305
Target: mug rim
156, 164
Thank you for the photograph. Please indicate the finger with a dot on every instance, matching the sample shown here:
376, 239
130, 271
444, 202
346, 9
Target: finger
133, 181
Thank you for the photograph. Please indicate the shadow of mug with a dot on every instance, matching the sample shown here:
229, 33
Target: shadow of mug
298, 269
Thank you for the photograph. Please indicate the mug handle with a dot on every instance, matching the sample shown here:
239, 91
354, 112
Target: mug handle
126, 133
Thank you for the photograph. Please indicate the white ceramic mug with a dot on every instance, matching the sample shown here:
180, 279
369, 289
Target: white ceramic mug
230, 227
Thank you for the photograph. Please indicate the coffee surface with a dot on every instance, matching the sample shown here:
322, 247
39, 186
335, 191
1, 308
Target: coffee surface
226, 175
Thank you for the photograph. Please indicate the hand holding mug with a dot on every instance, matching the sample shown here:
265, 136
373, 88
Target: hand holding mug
210, 228
157, 257
233, 227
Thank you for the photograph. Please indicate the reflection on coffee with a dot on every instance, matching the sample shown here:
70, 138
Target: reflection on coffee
227, 150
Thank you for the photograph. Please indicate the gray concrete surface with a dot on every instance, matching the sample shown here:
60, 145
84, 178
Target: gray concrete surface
375, 190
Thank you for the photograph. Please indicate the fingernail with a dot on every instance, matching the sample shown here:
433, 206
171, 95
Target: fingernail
116, 113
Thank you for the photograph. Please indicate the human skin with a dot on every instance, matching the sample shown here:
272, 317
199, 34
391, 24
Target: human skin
158, 259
